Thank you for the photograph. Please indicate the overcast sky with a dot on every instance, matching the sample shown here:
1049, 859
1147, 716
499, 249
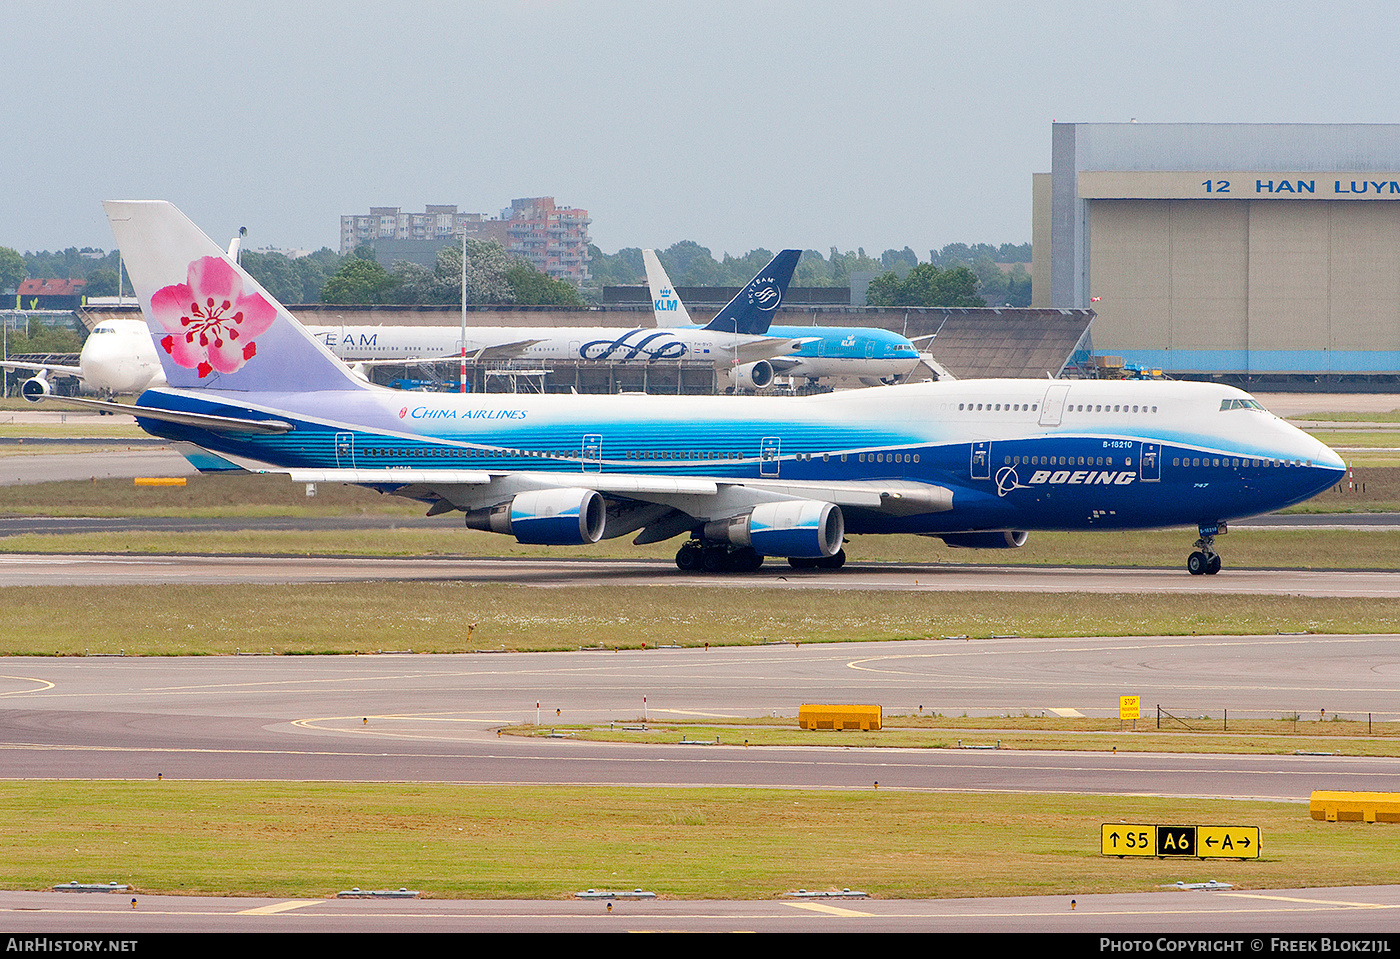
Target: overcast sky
793, 123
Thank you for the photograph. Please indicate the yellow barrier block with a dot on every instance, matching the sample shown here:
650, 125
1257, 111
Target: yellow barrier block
810, 716
160, 481
1355, 807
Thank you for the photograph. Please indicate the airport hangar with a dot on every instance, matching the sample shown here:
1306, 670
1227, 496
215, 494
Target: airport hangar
1259, 254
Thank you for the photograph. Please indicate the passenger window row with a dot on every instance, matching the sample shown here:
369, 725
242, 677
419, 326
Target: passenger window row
1234, 462
1061, 461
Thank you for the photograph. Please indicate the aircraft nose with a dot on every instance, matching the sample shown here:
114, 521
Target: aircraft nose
1327, 458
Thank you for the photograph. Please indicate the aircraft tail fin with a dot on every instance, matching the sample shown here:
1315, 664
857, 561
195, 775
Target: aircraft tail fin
752, 310
215, 327
669, 309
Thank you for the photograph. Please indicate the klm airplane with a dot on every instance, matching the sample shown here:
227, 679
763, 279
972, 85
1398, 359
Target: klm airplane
870, 354
977, 463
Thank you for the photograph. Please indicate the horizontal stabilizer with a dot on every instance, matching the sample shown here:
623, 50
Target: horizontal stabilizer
218, 424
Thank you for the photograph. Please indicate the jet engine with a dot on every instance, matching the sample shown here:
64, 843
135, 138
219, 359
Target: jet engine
751, 376
36, 388
550, 517
1005, 539
802, 528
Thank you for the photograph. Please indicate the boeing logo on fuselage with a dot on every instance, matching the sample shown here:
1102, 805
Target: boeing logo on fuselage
1008, 480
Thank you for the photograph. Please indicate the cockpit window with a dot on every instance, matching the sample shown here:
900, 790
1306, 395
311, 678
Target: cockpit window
1241, 405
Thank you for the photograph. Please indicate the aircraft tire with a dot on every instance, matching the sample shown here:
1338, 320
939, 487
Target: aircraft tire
688, 558
834, 561
1213, 565
1197, 563
745, 560
802, 562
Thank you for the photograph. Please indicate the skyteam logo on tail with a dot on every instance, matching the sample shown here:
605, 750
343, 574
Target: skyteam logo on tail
766, 294
212, 321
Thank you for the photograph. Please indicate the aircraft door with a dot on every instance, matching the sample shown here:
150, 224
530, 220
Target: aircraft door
593, 453
1053, 406
1150, 462
982, 461
769, 456
345, 450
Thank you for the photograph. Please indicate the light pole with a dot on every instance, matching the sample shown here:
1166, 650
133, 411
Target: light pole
463, 379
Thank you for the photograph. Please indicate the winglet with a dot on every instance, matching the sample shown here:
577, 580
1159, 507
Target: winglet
215, 327
669, 309
752, 310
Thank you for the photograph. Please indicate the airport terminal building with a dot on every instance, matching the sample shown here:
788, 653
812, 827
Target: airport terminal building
1245, 252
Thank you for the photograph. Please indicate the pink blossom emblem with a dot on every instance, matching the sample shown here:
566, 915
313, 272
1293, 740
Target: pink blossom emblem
211, 319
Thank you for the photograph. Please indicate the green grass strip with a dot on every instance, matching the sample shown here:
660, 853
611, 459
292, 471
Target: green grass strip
183, 620
548, 842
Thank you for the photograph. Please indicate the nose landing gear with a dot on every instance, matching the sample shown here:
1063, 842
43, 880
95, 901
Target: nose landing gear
1205, 560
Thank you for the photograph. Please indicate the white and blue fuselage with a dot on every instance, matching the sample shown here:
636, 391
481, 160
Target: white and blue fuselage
1010, 454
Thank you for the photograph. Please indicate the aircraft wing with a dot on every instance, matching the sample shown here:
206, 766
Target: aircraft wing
402, 361
501, 351
765, 348
698, 497
494, 351
50, 368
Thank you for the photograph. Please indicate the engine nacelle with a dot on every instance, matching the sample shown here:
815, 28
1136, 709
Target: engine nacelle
751, 376
36, 388
801, 528
1005, 539
550, 517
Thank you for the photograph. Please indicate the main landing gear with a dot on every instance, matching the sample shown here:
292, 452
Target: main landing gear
1205, 560
699, 556
717, 558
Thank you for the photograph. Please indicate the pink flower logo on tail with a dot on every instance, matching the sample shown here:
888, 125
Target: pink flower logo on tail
212, 322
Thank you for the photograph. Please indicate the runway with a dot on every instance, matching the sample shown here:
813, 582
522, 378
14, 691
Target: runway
57, 569
430, 718
1367, 913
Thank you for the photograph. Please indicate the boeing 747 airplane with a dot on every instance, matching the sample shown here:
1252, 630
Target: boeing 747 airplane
977, 463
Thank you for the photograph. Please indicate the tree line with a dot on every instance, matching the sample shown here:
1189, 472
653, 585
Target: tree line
956, 275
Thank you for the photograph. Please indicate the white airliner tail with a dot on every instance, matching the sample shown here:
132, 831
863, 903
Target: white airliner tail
215, 327
669, 309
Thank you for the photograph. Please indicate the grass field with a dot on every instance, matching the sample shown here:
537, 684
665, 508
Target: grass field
1357, 736
192, 620
315, 839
